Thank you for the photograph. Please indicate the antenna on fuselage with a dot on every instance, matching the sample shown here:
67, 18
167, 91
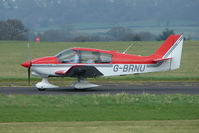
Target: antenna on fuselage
28, 45
127, 48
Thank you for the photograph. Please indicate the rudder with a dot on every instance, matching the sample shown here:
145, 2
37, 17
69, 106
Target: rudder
171, 48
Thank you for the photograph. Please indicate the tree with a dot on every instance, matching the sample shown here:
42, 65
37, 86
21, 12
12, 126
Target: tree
120, 33
187, 37
137, 38
52, 36
146, 36
3, 33
86, 38
128, 37
12, 29
165, 34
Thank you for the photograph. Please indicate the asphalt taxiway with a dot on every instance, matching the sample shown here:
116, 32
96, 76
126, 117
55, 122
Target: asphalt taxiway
113, 88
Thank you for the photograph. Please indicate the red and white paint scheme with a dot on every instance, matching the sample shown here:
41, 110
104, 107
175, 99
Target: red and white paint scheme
86, 62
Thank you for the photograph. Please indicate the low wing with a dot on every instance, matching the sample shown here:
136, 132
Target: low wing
80, 71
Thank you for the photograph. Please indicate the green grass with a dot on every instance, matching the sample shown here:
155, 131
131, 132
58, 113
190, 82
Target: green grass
13, 53
177, 126
120, 107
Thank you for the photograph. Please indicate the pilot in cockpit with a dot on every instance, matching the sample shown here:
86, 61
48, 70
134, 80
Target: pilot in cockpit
75, 58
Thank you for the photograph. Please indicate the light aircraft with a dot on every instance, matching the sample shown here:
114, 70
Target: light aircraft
84, 63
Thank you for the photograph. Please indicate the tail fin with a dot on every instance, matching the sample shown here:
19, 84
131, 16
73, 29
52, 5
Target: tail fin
171, 50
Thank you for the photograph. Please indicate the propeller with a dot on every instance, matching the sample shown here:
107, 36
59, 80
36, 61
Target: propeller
28, 64
29, 73
29, 76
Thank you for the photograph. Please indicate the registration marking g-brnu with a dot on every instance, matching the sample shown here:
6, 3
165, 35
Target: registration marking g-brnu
129, 68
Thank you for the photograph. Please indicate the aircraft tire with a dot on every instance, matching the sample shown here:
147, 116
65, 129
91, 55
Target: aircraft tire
78, 89
41, 89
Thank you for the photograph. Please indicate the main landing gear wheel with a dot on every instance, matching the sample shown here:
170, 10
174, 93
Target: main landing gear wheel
44, 84
82, 83
41, 89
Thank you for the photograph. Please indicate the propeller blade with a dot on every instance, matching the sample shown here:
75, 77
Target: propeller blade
29, 73
29, 76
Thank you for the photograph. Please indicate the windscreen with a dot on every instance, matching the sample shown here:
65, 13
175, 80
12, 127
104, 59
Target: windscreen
68, 56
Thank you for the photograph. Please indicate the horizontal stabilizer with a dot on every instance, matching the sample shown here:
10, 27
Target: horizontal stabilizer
161, 59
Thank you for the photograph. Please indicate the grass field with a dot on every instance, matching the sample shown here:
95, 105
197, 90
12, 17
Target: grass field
176, 126
120, 107
99, 113
13, 53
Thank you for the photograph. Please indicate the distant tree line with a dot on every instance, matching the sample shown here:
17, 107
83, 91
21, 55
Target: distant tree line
114, 34
13, 29
127, 34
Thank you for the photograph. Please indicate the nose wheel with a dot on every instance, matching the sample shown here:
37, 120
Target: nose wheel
44, 84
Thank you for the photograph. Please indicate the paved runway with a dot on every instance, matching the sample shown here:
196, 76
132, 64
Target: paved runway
113, 88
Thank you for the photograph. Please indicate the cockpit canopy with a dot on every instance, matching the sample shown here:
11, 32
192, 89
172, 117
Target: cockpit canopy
83, 56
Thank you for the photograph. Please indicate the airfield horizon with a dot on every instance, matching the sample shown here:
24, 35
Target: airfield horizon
13, 53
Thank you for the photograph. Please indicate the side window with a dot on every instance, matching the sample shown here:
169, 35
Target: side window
68, 56
89, 57
105, 58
